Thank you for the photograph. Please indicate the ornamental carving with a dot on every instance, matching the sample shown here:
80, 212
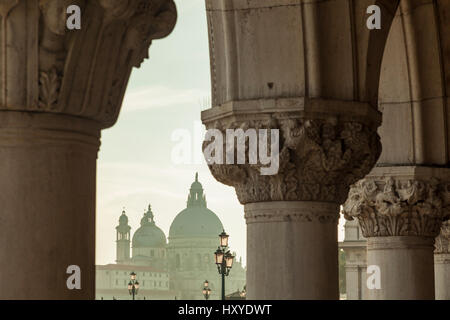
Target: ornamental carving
442, 243
396, 207
318, 159
84, 72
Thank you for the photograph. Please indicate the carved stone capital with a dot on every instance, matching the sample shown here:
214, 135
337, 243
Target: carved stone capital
442, 243
84, 73
320, 156
398, 206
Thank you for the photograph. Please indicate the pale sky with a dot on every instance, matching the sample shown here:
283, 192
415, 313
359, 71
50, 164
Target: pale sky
135, 166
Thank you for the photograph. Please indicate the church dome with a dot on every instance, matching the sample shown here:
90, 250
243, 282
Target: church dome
149, 235
196, 220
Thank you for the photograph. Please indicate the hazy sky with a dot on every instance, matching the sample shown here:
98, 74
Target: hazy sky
135, 166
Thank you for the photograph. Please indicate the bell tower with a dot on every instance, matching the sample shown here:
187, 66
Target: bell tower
123, 239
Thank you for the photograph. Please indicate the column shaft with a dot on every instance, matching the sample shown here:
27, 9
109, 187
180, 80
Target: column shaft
442, 263
406, 267
442, 275
292, 250
47, 183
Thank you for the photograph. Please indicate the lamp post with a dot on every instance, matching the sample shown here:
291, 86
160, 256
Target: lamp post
224, 259
206, 290
133, 285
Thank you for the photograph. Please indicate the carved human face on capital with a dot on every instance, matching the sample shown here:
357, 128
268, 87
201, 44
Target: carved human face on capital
137, 41
138, 34
55, 15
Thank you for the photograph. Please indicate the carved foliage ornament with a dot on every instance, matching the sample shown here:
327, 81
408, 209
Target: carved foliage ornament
142, 21
442, 242
398, 207
318, 160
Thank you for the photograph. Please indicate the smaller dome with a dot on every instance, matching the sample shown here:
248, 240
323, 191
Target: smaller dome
123, 218
149, 235
123, 226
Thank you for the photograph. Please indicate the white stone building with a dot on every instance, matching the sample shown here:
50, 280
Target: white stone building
175, 269
112, 281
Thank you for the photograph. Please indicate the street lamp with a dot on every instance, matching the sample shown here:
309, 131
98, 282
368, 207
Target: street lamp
243, 293
206, 290
133, 285
224, 259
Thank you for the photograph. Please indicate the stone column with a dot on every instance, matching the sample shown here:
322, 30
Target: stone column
400, 211
442, 263
59, 88
310, 70
306, 235
292, 215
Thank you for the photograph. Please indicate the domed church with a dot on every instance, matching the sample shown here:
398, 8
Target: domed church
184, 262
196, 221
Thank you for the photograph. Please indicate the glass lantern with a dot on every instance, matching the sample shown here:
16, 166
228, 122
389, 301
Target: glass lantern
219, 256
223, 239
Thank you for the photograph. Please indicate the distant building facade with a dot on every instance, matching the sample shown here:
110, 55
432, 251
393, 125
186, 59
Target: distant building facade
112, 281
175, 269
354, 246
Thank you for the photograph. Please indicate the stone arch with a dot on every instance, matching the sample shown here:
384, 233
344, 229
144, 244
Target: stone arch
376, 47
414, 84
413, 98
